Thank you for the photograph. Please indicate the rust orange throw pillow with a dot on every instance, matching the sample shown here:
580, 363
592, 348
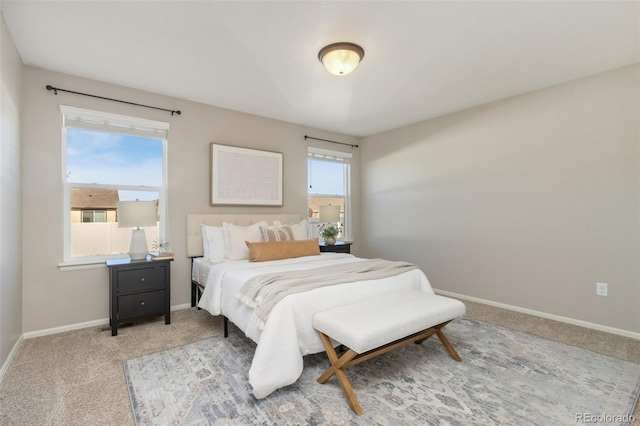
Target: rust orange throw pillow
276, 250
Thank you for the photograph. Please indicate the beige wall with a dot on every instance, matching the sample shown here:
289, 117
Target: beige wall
10, 197
528, 202
54, 298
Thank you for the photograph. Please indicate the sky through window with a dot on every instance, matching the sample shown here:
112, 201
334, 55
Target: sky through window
114, 159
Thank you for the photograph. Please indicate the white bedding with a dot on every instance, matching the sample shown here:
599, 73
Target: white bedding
288, 333
200, 270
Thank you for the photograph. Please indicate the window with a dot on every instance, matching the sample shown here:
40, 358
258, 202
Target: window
109, 158
89, 216
330, 183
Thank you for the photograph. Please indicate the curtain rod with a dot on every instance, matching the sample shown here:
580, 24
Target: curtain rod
327, 140
57, 89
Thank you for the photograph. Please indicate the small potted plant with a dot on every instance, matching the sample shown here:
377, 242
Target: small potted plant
329, 233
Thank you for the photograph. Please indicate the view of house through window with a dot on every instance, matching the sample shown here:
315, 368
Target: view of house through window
89, 216
103, 168
329, 184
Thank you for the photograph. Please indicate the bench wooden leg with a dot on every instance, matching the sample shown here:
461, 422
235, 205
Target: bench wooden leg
336, 368
443, 339
351, 357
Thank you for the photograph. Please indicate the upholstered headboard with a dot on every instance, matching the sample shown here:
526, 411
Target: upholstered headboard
194, 220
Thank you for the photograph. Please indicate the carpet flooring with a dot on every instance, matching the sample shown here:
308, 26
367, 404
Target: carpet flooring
506, 378
77, 377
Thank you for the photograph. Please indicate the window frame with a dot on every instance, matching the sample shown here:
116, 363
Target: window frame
124, 125
344, 158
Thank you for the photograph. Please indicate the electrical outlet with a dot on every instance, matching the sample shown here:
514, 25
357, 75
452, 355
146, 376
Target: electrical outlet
601, 289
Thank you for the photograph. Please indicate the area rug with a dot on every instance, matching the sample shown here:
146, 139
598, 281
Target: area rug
506, 377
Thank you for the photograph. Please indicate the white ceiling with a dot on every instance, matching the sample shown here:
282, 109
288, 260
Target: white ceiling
422, 59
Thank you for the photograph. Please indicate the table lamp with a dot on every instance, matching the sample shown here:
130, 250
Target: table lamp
329, 214
137, 215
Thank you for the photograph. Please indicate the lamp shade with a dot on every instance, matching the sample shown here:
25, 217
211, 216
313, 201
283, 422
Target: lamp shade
341, 58
136, 214
329, 214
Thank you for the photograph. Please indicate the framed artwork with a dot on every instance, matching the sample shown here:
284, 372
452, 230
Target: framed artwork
245, 177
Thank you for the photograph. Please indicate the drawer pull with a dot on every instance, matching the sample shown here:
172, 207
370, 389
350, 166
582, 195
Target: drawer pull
142, 303
142, 279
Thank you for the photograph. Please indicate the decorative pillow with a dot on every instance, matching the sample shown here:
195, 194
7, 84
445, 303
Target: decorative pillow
214, 243
235, 237
272, 233
276, 250
300, 230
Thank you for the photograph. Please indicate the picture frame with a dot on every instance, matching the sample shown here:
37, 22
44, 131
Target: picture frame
245, 177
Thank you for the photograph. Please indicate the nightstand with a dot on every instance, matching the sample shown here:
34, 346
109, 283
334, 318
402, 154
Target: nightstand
138, 288
338, 247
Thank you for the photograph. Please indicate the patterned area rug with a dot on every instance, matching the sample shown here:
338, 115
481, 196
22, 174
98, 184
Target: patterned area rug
505, 377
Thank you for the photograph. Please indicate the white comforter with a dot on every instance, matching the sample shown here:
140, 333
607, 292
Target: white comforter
288, 333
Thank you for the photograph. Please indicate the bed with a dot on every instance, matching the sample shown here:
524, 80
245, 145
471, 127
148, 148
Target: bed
195, 244
287, 334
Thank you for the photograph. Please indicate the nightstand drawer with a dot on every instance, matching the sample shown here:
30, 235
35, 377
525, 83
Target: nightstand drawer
338, 247
141, 304
141, 279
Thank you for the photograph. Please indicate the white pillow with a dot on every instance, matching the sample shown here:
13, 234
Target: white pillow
215, 241
205, 241
300, 230
235, 238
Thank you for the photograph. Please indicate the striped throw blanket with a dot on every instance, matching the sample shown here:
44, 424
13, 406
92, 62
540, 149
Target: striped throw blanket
262, 292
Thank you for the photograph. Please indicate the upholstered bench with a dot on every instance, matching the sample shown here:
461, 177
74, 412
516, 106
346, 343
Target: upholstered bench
380, 324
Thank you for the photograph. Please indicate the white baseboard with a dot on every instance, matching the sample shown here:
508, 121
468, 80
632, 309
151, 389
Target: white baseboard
62, 329
586, 324
87, 324
180, 307
7, 362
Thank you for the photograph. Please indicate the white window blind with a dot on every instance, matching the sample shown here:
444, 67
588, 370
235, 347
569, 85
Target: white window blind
112, 123
328, 155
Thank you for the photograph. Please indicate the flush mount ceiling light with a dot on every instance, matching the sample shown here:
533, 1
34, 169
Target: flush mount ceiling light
341, 58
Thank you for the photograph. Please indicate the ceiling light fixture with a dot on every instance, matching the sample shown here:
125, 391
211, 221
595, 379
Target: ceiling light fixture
341, 58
